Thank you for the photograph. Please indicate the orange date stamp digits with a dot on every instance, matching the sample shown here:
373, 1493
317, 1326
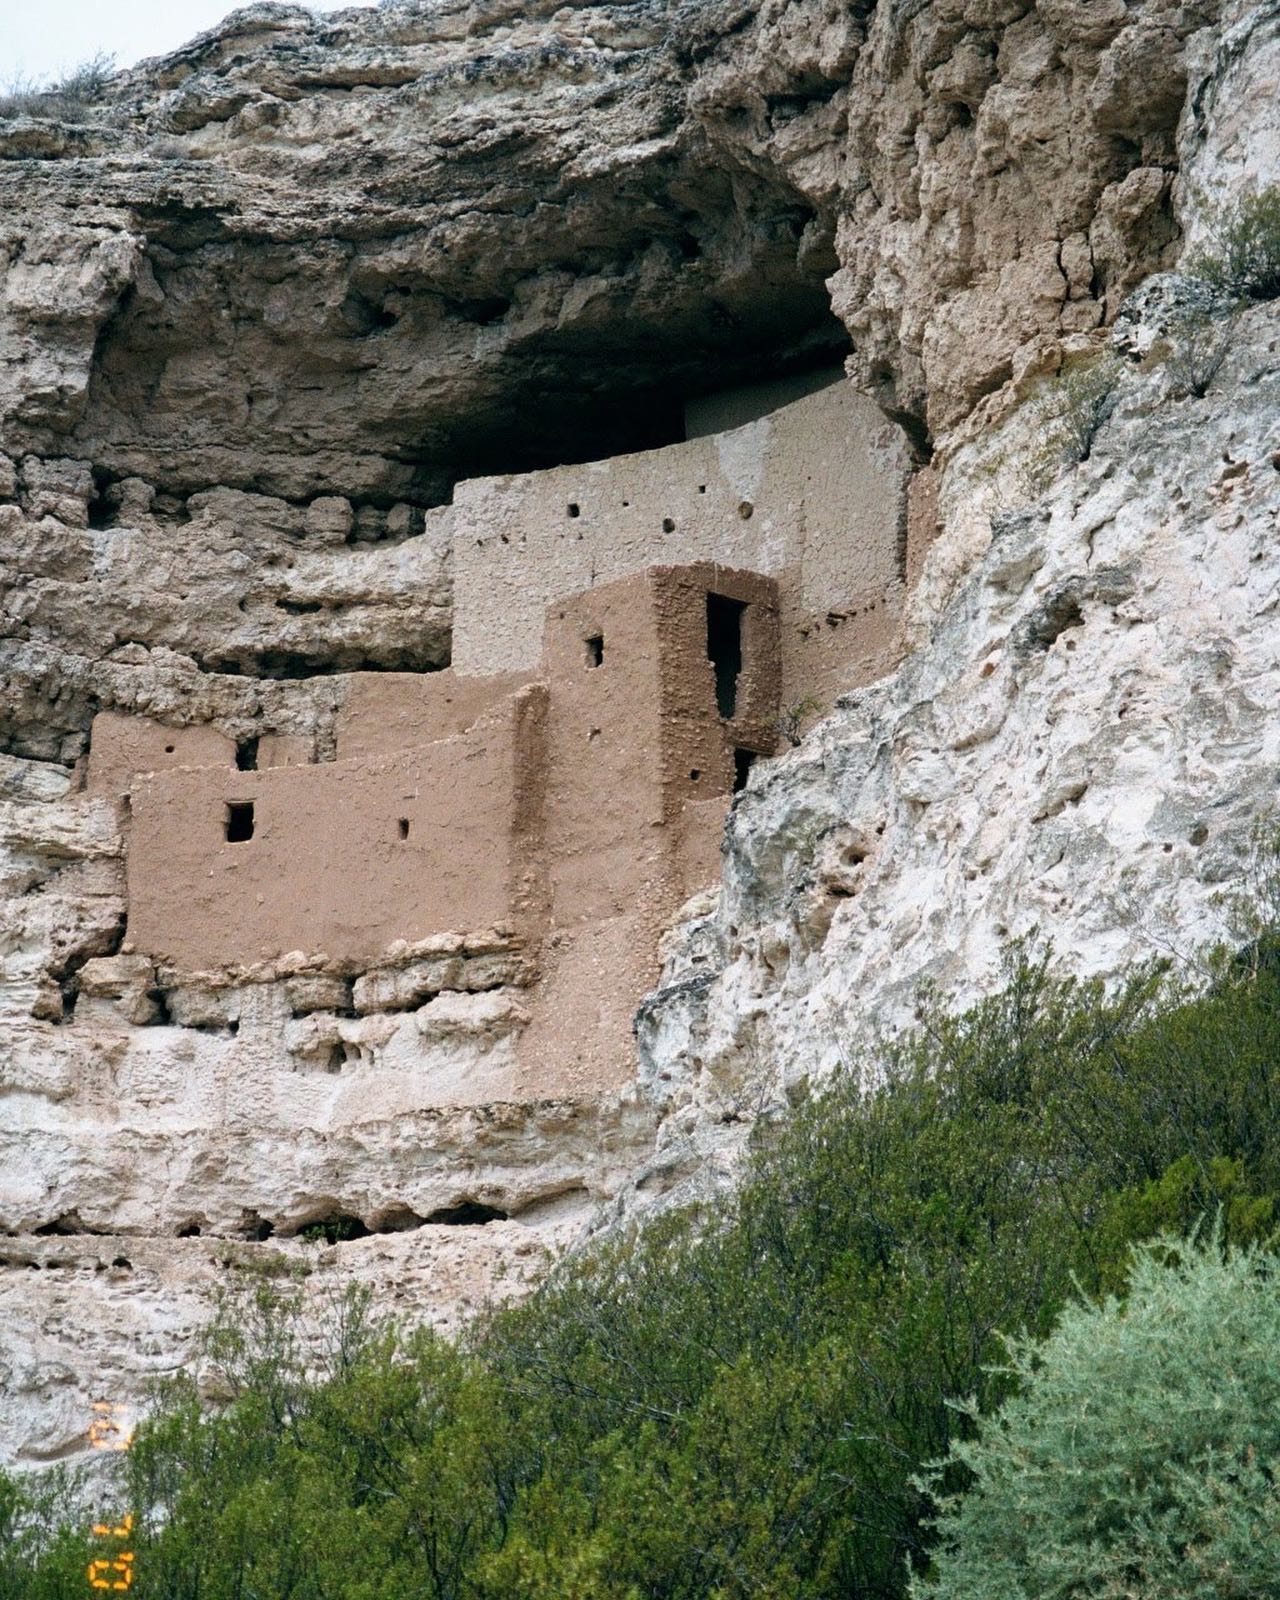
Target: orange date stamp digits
111, 1429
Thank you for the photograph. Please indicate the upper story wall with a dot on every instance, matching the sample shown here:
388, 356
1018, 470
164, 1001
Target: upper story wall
388, 711
346, 856
815, 493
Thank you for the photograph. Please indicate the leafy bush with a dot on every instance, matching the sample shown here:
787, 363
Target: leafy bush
1195, 350
44, 1547
68, 99
1069, 413
1243, 256
1083, 399
736, 1405
1139, 1457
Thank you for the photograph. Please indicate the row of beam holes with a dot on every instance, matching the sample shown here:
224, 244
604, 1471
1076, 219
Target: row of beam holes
745, 510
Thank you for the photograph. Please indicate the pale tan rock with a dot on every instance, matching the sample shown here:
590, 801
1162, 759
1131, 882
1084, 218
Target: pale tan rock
317, 993
399, 988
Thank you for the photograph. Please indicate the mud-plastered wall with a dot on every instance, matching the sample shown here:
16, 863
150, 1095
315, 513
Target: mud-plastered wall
814, 494
227, 868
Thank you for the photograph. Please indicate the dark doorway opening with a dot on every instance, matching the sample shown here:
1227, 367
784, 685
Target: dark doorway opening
595, 650
402, 827
743, 761
724, 649
247, 754
239, 821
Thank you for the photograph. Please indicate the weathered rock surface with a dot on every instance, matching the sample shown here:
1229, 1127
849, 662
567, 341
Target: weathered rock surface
1079, 752
282, 289
115, 1314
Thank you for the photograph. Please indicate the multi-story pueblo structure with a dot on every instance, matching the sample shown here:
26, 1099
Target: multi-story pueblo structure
491, 851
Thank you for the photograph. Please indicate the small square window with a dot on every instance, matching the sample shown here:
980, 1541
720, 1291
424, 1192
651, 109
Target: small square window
595, 650
239, 821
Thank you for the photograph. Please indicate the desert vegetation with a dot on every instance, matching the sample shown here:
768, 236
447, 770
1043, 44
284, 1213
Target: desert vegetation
1242, 256
1137, 1453
67, 98
749, 1403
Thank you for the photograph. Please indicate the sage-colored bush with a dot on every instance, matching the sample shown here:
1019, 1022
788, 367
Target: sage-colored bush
1139, 1457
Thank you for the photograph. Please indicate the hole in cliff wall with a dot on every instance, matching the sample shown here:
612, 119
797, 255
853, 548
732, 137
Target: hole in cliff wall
65, 1226
338, 1227
467, 1214
239, 821
396, 1219
160, 1015
594, 650
256, 1227
326, 659
597, 323
724, 649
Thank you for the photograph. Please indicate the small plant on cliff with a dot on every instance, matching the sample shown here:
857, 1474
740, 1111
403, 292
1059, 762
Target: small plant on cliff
1195, 349
1078, 405
68, 99
1243, 254
1140, 1455
790, 724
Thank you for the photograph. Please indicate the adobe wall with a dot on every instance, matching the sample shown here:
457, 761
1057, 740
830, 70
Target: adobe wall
388, 711
121, 747
814, 495
639, 775
327, 869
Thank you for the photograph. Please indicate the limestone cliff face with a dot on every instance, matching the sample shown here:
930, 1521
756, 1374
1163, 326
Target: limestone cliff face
263, 307
1080, 749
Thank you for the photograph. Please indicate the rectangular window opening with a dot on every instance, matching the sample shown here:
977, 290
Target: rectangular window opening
402, 827
595, 650
724, 649
239, 821
743, 761
247, 754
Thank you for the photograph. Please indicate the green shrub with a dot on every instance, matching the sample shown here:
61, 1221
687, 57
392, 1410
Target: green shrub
1070, 413
1139, 1457
736, 1404
44, 1541
1194, 352
1243, 255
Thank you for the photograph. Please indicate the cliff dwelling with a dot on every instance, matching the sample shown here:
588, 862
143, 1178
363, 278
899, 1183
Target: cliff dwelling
488, 854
